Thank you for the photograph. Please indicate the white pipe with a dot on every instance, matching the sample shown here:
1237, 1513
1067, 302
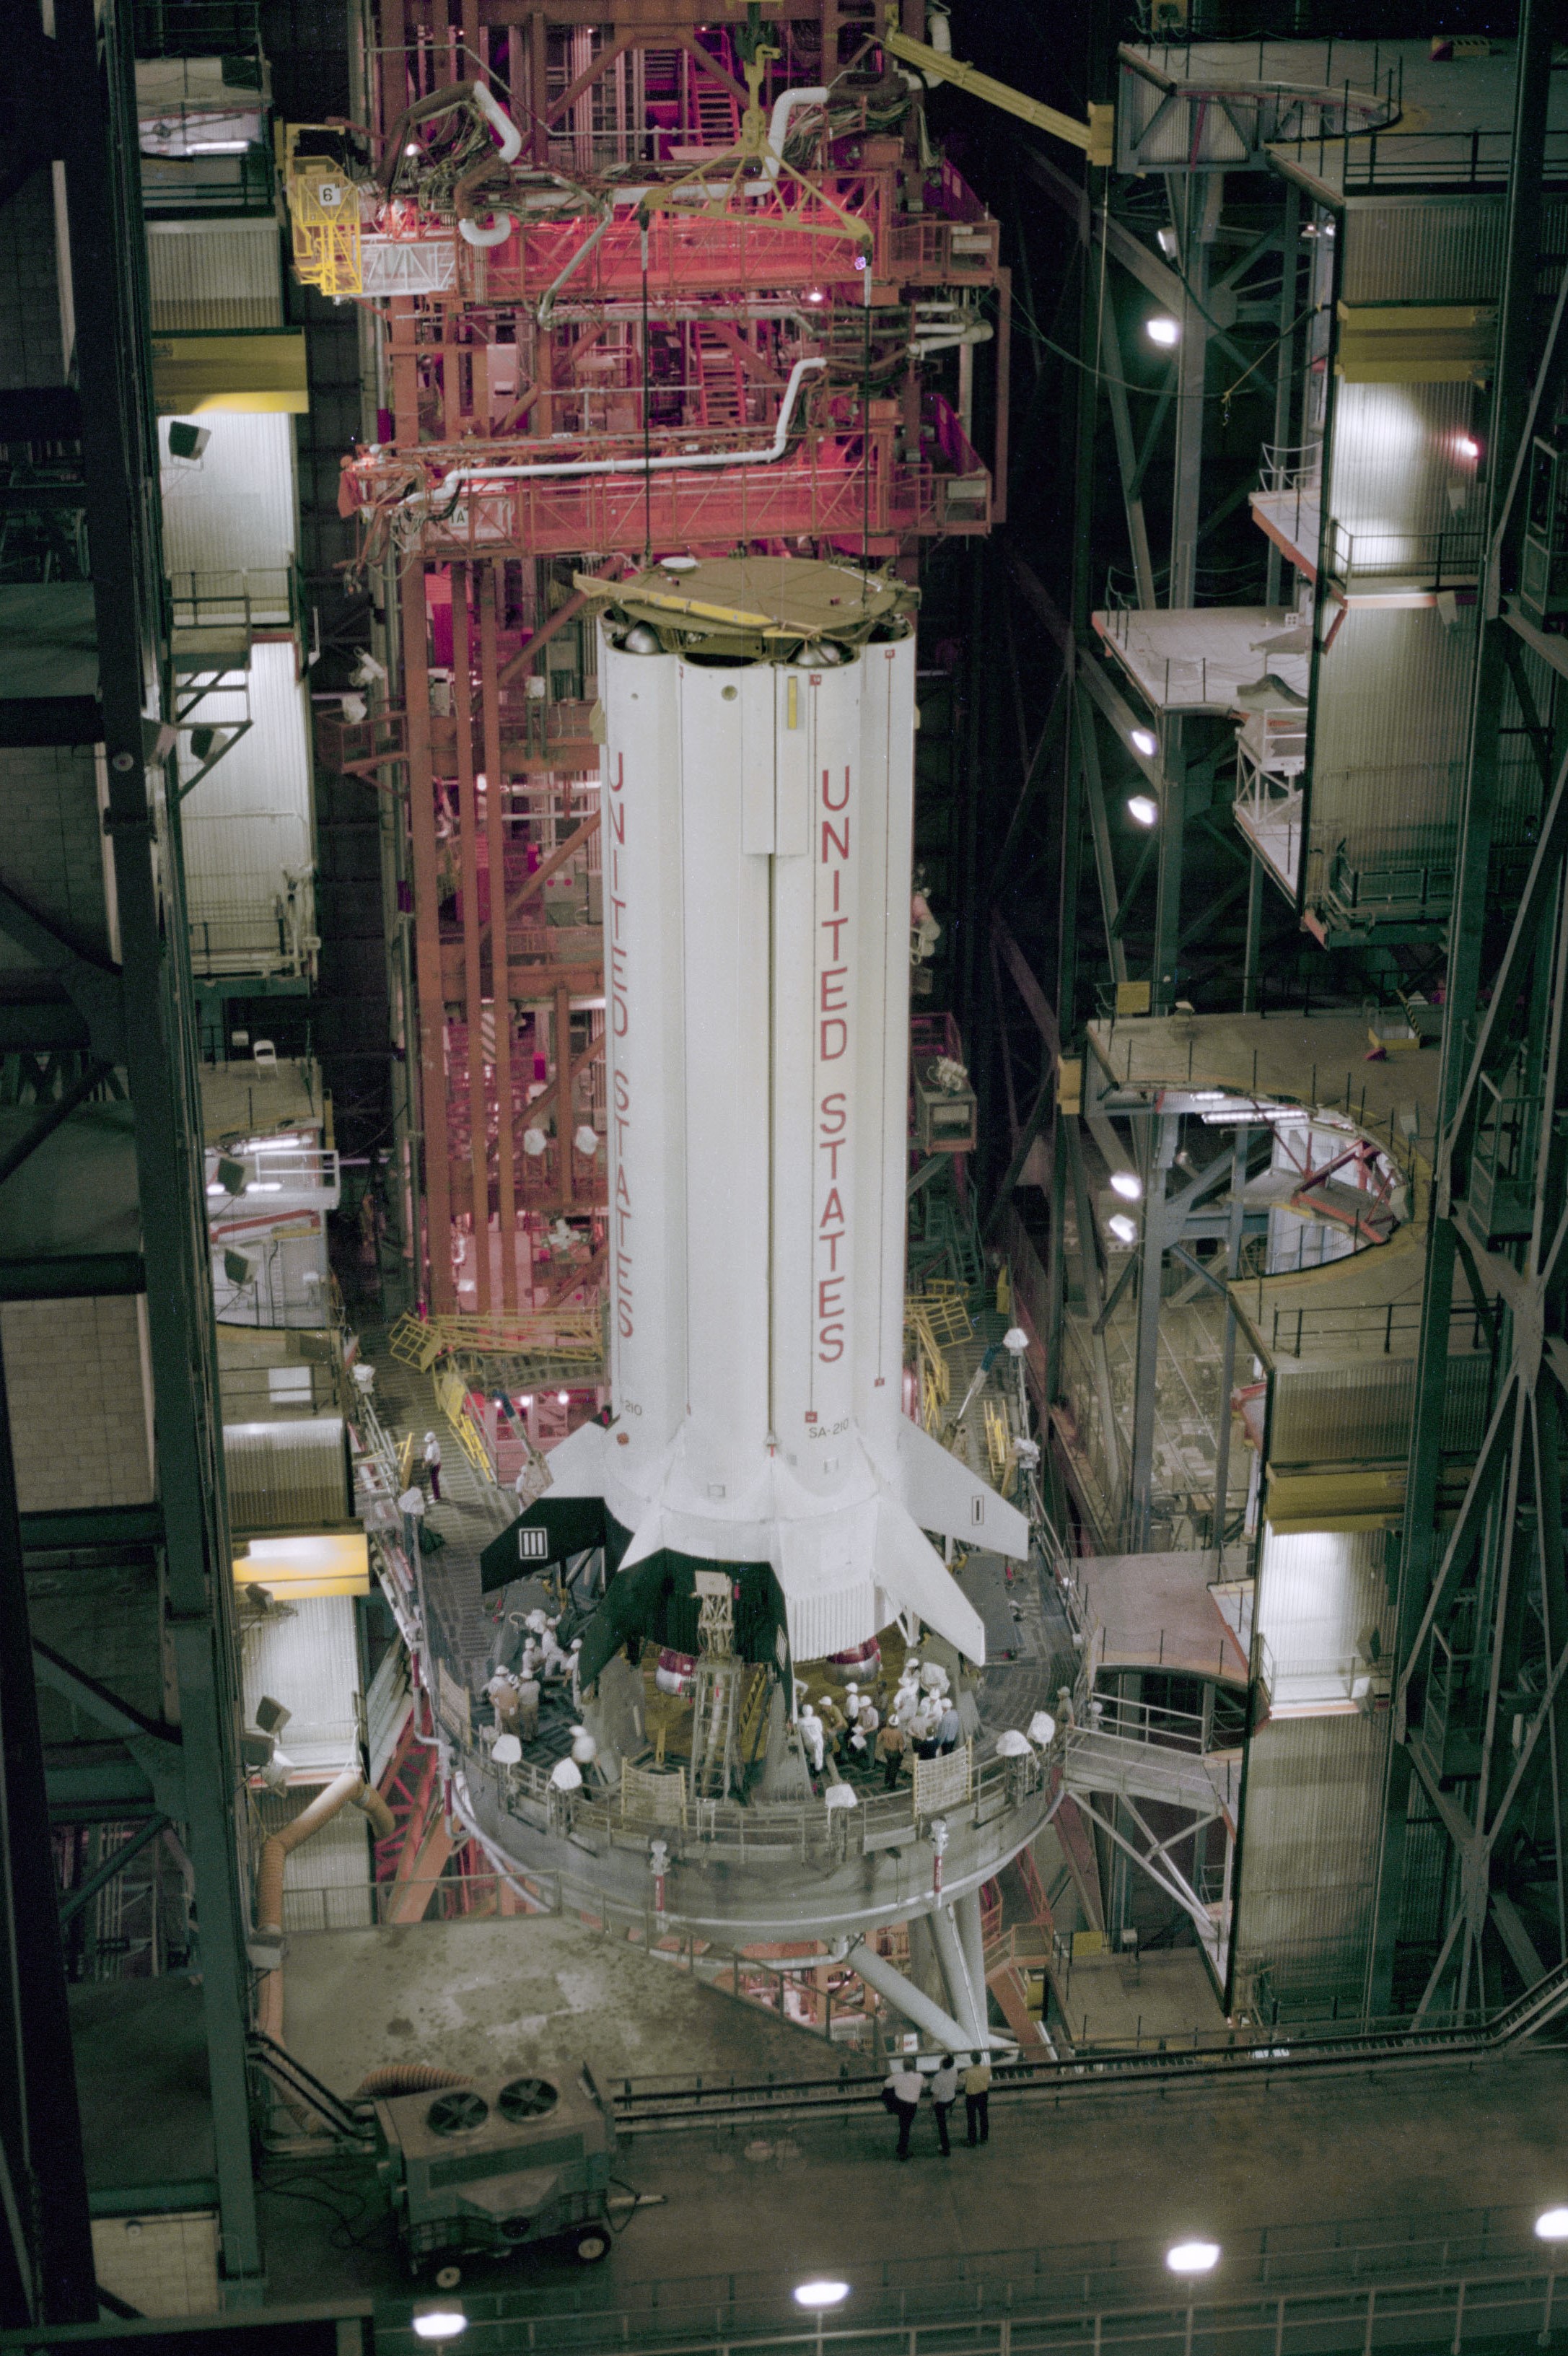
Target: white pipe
913, 2002
981, 332
500, 122
547, 301
775, 449
501, 229
955, 1975
784, 106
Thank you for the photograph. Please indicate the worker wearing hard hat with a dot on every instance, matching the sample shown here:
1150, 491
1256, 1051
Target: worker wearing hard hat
432, 1464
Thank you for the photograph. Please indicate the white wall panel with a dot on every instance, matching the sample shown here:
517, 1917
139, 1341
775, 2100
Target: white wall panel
233, 509
249, 827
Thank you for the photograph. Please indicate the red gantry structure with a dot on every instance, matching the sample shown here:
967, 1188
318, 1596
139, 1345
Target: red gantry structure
656, 283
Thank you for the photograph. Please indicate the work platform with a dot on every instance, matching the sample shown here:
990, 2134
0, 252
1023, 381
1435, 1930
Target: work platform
1211, 659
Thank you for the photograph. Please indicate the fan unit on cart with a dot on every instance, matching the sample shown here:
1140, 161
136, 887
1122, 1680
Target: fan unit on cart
496, 2166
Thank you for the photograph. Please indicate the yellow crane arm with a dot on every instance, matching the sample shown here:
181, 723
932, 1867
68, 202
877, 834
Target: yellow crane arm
1096, 137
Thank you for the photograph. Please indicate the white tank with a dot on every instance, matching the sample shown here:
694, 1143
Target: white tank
758, 808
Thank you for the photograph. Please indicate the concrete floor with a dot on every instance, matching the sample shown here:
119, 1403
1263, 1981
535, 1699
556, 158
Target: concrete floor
533, 1993
1410, 2148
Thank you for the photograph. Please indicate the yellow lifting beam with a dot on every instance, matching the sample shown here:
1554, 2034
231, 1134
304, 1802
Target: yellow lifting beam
1096, 137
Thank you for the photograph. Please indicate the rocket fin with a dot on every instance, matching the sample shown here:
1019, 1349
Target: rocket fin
943, 1495
645, 1539
577, 1464
912, 1576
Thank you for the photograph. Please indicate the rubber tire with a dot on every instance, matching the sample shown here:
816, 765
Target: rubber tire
591, 2245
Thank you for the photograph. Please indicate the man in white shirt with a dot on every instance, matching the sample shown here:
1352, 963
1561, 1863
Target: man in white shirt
905, 2085
944, 2094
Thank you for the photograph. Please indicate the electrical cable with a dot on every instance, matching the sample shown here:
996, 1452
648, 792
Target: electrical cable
1153, 390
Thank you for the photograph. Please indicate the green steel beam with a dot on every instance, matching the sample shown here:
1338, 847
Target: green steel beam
156, 1005
92, 1526
72, 1276
1509, 1484
73, 1903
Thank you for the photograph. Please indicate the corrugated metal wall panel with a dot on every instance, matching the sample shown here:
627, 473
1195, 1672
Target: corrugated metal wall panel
1431, 249
1394, 697
233, 509
251, 825
286, 1476
1361, 1414
1309, 1855
215, 274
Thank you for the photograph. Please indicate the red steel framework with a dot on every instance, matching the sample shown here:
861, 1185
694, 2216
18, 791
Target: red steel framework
800, 318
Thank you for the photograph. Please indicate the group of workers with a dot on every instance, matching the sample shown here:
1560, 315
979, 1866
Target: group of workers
515, 1693
906, 2085
920, 1720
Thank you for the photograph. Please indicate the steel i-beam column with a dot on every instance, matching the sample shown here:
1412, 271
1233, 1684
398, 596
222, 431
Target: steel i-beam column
1284, 364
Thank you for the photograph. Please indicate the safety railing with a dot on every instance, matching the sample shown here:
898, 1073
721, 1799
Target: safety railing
1295, 467
814, 1831
1447, 159
1361, 2285
1390, 1330
307, 1173
1428, 560
262, 942
1269, 809
253, 597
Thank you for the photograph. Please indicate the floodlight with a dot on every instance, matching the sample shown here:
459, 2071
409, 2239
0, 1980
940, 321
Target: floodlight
1193, 2257
820, 2294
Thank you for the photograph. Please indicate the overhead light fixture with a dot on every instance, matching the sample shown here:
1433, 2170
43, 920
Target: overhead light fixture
563, 1399
820, 2294
1468, 446
1125, 1229
1144, 741
1193, 2257
1164, 330
1127, 1183
1165, 238
527, 1400
1551, 2225
230, 1174
1144, 809
437, 2319
264, 1186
